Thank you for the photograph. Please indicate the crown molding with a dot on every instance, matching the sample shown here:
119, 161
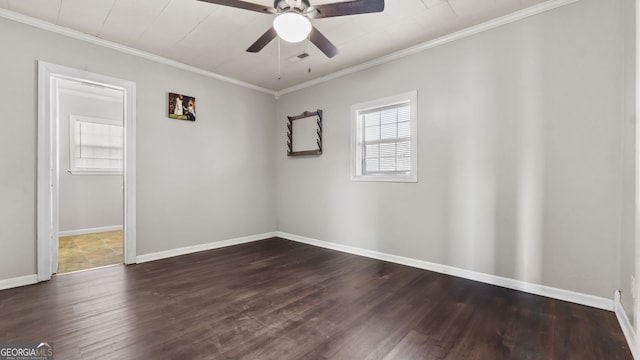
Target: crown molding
464, 33
44, 25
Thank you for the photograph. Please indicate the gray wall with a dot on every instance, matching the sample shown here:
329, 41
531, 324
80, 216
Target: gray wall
520, 156
87, 201
198, 182
627, 236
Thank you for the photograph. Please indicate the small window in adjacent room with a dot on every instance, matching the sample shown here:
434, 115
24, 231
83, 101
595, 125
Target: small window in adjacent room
96, 146
384, 139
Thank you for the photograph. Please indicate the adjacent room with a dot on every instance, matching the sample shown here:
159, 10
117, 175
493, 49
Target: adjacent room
90, 183
300, 179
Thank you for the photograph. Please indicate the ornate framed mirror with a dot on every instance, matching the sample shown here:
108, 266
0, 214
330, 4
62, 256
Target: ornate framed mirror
304, 134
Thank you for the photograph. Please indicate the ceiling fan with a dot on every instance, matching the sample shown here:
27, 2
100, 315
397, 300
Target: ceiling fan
292, 23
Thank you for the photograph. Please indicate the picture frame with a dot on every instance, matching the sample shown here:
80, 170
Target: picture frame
181, 107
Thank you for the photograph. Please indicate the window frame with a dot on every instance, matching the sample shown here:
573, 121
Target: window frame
357, 138
73, 169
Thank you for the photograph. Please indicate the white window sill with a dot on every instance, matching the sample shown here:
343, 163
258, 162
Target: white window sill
386, 178
94, 172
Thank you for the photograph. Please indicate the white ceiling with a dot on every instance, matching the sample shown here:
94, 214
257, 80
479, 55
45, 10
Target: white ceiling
214, 38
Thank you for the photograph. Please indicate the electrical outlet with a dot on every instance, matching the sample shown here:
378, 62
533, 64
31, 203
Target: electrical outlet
633, 287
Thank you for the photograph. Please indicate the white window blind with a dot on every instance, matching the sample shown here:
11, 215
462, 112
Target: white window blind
387, 139
384, 139
96, 145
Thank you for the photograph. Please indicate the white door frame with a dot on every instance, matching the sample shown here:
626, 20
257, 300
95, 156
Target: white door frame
47, 196
636, 296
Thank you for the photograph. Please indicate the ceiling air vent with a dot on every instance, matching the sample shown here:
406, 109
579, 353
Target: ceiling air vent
298, 57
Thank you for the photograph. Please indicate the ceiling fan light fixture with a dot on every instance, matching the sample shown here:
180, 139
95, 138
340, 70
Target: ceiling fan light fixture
292, 27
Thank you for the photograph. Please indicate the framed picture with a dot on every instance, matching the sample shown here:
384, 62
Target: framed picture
182, 107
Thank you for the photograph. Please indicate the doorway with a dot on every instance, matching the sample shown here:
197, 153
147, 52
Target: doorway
90, 176
55, 84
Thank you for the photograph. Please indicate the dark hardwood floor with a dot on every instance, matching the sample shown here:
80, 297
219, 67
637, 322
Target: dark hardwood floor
277, 299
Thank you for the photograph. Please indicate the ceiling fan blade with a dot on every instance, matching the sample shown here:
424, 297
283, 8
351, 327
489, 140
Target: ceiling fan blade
346, 8
322, 43
243, 5
263, 40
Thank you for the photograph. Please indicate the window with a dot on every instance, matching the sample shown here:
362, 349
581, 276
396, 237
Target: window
384, 142
95, 146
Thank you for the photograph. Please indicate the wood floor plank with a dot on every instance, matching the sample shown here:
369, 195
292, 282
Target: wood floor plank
277, 299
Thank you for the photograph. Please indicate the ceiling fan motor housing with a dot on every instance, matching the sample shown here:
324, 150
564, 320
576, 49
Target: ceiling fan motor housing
299, 6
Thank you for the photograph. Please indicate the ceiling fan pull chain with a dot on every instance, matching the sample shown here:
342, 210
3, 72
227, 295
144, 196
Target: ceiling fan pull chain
307, 51
279, 60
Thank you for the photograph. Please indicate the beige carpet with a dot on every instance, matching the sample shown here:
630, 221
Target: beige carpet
87, 251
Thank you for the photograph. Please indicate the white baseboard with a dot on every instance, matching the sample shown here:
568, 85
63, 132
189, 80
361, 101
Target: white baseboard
18, 281
89, 231
565, 295
625, 324
202, 247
